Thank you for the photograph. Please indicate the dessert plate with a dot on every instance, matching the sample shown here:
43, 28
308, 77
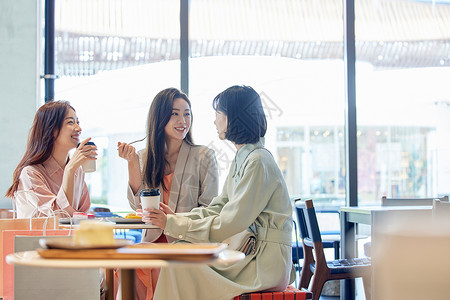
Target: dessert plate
146, 251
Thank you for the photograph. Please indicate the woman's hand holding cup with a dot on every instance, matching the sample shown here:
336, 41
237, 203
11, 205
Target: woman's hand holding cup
150, 200
85, 155
155, 217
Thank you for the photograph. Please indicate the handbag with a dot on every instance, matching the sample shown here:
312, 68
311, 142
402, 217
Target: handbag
13, 229
14, 224
244, 241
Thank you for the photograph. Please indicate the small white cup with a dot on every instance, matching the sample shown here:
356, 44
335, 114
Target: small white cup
89, 165
150, 198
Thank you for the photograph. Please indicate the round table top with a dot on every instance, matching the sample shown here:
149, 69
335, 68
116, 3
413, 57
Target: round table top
32, 258
119, 226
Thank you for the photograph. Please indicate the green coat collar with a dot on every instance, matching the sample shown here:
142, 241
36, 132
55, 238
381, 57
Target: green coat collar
242, 154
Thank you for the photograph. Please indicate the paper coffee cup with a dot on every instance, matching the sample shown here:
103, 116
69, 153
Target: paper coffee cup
150, 198
89, 165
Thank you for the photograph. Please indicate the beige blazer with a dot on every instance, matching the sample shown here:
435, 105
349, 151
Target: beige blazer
195, 183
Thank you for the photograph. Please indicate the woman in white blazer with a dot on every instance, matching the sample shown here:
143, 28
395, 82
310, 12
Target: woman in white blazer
194, 183
170, 152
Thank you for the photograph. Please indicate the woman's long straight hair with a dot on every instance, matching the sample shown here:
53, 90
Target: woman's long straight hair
158, 116
45, 129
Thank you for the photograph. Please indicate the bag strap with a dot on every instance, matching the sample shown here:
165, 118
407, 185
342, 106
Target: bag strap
53, 214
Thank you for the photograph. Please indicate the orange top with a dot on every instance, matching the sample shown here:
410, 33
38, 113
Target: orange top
168, 183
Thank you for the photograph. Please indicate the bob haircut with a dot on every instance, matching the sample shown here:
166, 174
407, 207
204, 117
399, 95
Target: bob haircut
158, 116
246, 119
46, 126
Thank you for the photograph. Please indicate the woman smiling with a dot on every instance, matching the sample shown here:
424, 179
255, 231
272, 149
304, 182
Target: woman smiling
46, 171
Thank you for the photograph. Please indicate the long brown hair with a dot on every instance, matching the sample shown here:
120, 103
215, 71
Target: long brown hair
158, 117
46, 126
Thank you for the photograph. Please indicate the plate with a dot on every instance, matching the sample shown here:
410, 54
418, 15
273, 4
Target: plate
69, 244
125, 221
66, 221
147, 251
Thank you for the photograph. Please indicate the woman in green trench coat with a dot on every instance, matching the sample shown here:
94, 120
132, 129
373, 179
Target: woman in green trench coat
254, 194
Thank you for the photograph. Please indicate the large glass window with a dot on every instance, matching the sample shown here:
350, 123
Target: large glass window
403, 98
291, 53
113, 58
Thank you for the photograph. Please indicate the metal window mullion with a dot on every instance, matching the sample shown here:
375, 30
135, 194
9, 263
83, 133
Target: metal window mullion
348, 250
49, 67
184, 45
350, 111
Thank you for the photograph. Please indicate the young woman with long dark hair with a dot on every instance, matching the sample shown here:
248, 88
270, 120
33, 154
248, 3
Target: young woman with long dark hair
46, 171
186, 174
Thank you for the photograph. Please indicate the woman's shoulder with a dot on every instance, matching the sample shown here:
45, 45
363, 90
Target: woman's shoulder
32, 169
262, 157
201, 150
32, 173
260, 153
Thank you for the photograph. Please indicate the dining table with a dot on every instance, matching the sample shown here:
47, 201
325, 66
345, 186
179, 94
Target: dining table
125, 266
378, 218
116, 226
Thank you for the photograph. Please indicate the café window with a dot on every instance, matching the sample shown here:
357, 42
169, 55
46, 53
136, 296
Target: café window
114, 60
397, 161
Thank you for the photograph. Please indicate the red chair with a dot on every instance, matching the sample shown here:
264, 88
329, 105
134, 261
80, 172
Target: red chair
291, 293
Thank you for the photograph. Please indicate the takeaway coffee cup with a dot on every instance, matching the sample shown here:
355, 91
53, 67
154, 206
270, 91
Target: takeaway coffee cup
150, 198
89, 165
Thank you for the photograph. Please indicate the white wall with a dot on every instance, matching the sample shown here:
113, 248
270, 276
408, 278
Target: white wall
19, 82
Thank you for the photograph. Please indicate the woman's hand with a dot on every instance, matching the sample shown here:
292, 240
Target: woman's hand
82, 154
127, 152
155, 217
166, 209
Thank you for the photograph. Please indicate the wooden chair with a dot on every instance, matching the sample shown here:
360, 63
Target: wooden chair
385, 201
315, 265
6, 213
330, 238
290, 293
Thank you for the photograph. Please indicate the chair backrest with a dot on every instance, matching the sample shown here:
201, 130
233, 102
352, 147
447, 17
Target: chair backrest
328, 218
6, 213
309, 230
441, 211
305, 230
301, 219
410, 201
